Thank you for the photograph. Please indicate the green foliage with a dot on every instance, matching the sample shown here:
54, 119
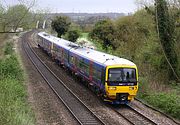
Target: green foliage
177, 45
10, 68
16, 16
104, 31
166, 30
61, 25
167, 102
8, 48
130, 34
73, 35
143, 87
14, 109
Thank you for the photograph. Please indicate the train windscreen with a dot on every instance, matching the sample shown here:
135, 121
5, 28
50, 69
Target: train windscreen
122, 75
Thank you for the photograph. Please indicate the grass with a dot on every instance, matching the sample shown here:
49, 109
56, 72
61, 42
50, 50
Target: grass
168, 102
14, 108
84, 35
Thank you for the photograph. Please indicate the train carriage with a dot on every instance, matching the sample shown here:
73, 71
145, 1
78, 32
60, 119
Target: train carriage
114, 78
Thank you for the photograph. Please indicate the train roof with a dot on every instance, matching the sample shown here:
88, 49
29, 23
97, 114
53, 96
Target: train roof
96, 56
58, 41
100, 57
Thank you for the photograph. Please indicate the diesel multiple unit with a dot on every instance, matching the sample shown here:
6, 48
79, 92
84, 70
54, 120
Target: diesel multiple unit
114, 79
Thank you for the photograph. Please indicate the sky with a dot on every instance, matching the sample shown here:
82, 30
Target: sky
80, 6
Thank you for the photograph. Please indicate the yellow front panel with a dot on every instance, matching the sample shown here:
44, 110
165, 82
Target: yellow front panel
111, 91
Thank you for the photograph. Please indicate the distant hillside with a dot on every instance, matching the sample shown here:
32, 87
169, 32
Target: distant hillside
84, 16
82, 19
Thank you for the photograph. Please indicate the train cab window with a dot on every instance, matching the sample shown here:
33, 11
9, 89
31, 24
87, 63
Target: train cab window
115, 75
122, 75
129, 75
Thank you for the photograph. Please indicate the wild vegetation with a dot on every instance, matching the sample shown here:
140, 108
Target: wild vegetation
150, 38
14, 108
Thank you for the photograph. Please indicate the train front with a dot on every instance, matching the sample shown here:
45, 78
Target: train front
121, 83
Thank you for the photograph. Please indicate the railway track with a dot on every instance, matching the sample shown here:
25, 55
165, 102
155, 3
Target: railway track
148, 106
133, 116
76, 107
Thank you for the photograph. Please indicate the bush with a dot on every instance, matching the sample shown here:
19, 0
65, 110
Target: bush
143, 87
167, 102
8, 48
10, 67
72, 35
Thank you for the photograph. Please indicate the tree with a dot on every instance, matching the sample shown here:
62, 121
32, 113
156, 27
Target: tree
131, 33
73, 35
61, 25
104, 30
16, 16
165, 29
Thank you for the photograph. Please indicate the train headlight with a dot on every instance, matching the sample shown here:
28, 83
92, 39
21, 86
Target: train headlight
111, 88
131, 88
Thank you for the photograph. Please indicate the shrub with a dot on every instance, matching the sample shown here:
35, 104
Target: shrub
10, 67
167, 102
8, 48
72, 35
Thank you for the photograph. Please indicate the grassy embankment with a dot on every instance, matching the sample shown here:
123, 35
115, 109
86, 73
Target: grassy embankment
167, 100
14, 107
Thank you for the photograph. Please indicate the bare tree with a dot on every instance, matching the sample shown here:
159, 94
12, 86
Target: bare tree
13, 16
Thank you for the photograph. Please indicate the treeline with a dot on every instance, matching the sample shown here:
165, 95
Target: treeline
150, 38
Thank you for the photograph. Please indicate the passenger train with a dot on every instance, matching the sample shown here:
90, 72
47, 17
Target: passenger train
114, 79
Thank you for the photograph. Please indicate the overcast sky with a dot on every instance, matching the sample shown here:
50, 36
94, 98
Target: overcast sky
91, 6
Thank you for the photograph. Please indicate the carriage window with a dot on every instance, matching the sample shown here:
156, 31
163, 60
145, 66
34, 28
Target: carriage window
72, 59
84, 66
96, 74
65, 55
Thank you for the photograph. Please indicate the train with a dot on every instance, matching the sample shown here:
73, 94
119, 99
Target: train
114, 79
